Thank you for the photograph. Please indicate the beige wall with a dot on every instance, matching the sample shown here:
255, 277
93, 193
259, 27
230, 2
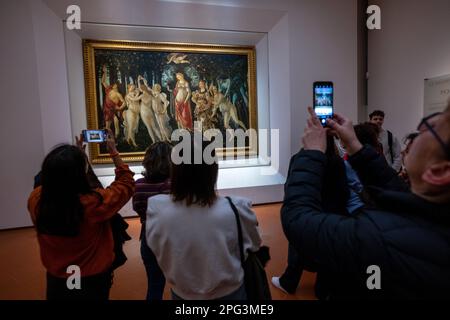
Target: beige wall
413, 44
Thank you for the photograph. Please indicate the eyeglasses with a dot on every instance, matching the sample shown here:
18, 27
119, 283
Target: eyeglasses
425, 123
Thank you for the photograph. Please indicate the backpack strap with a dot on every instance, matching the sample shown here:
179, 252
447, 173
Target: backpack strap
390, 143
239, 229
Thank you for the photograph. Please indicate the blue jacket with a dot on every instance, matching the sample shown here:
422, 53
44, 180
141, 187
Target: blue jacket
407, 237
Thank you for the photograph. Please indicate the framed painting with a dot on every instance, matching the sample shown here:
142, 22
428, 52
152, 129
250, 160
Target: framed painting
144, 91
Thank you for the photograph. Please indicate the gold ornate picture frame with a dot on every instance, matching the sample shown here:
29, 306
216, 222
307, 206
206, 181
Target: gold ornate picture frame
143, 91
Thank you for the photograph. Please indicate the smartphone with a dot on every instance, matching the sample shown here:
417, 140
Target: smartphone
323, 100
94, 136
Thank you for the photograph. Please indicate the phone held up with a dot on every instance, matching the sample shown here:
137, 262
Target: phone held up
323, 93
94, 136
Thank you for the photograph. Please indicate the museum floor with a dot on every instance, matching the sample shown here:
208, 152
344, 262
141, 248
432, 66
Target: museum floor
23, 277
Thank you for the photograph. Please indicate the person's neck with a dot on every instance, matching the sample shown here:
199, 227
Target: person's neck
434, 198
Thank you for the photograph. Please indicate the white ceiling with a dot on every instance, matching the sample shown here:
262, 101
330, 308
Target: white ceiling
220, 15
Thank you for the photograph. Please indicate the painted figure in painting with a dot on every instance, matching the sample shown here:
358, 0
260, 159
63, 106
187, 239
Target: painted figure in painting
159, 104
182, 94
227, 108
131, 114
177, 58
203, 110
113, 104
147, 113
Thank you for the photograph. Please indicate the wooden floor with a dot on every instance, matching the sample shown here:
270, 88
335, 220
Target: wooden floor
22, 275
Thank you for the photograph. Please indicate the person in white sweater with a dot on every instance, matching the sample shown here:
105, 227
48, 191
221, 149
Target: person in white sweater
193, 234
391, 146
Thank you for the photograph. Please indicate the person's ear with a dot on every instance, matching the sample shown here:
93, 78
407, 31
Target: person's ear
438, 174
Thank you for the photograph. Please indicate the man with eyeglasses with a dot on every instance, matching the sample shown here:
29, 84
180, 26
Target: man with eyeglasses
407, 141
405, 235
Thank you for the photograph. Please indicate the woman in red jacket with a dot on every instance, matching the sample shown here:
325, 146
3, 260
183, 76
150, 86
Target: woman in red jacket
72, 222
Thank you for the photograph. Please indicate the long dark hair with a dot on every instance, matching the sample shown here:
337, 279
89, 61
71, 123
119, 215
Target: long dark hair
64, 179
195, 183
157, 162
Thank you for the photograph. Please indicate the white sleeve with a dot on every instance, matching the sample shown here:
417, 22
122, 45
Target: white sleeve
152, 230
249, 223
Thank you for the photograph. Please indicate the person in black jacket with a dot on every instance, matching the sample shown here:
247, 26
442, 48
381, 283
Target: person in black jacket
400, 248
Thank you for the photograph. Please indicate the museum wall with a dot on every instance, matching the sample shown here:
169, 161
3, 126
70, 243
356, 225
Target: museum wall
22, 146
412, 45
306, 41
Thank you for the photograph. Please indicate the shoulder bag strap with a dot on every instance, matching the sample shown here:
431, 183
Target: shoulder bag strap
239, 229
390, 143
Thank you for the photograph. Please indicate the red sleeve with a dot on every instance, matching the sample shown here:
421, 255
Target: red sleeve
114, 197
33, 201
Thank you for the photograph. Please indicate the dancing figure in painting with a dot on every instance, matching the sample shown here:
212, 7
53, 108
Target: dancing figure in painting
147, 113
159, 104
113, 104
225, 106
131, 114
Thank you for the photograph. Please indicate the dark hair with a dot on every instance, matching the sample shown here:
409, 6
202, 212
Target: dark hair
410, 137
157, 162
195, 183
64, 179
378, 113
375, 128
367, 133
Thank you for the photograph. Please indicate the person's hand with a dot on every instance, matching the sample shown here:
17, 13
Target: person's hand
314, 136
343, 128
79, 141
111, 142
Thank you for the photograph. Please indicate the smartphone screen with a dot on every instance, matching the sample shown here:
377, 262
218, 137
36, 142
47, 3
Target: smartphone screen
323, 100
94, 136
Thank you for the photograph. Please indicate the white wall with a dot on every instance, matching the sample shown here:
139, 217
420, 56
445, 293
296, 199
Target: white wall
52, 75
307, 40
323, 47
21, 128
412, 45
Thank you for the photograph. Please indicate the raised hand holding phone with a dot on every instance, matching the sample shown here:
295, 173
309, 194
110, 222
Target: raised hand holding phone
343, 128
110, 142
79, 141
111, 146
315, 135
